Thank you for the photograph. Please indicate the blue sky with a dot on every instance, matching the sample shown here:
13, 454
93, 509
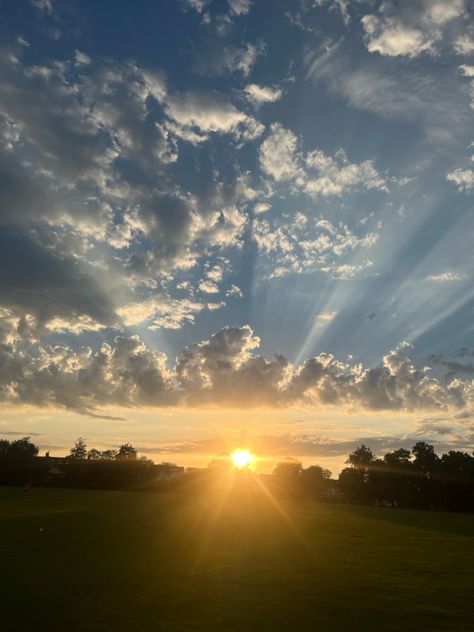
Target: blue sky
263, 208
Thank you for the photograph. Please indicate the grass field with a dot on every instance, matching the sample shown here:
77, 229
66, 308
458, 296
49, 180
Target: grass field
87, 560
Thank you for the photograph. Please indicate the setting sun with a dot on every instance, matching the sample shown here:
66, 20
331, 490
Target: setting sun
242, 459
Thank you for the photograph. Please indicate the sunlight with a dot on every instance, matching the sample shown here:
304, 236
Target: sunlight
242, 459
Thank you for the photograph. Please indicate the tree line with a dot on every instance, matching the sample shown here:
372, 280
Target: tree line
416, 478
410, 478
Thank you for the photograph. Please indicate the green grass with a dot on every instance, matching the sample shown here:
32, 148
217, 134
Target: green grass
87, 560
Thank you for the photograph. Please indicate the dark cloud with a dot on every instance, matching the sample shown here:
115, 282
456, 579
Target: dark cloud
35, 281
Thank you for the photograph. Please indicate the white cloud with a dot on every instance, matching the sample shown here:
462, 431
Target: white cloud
208, 287
198, 5
467, 71
160, 312
258, 95
261, 207
464, 44
240, 7
346, 271
444, 277
390, 37
234, 290
299, 246
410, 29
462, 178
325, 316
209, 112
333, 176
314, 173
278, 154
82, 58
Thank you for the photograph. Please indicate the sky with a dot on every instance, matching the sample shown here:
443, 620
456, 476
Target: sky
237, 222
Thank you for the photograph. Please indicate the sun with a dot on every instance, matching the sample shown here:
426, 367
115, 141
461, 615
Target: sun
242, 459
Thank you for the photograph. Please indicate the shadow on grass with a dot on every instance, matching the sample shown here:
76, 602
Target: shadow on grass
461, 524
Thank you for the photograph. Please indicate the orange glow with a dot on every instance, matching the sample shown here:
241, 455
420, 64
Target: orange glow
242, 459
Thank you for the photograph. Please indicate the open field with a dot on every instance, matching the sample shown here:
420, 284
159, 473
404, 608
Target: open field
87, 560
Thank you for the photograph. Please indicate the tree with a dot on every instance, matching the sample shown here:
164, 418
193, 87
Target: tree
108, 455
20, 450
362, 457
425, 465
126, 452
314, 480
456, 472
352, 484
286, 475
398, 457
396, 477
79, 450
426, 458
289, 469
94, 455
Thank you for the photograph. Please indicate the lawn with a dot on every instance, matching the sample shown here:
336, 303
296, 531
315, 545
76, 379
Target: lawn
88, 560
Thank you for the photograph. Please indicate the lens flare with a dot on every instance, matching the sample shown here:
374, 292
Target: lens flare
242, 459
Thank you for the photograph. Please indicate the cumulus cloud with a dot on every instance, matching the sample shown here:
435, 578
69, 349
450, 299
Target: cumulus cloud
234, 290
314, 173
278, 154
240, 7
413, 28
302, 246
203, 112
463, 178
257, 95
464, 44
224, 370
160, 312
85, 152
208, 287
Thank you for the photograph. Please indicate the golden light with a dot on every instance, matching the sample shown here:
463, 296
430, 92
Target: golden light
242, 459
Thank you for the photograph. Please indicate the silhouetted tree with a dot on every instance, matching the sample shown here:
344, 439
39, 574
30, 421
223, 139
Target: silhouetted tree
425, 459
362, 457
94, 455
79, 450
425, 466
456, 474
126, 452
290, 469
287, 477
20, 450
18, 463
108, 455
395, 478
353, 485
314, 480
